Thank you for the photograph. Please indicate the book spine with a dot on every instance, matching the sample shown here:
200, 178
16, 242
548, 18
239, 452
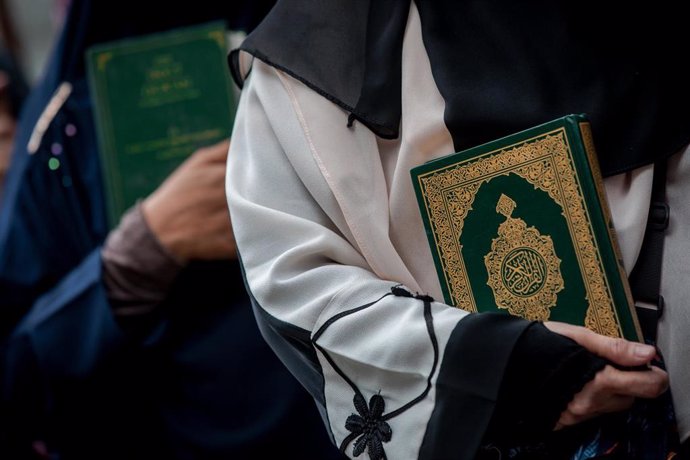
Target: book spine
95, 75
588, 143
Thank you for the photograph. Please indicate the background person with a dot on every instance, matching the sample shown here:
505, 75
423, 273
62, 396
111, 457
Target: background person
144, 347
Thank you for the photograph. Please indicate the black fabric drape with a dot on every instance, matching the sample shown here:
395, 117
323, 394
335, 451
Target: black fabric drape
500, 66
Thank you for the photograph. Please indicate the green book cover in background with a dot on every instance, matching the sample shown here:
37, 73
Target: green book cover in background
157, 98
521, 225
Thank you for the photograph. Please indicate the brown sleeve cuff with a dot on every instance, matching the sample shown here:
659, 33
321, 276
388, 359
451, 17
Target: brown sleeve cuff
137, 269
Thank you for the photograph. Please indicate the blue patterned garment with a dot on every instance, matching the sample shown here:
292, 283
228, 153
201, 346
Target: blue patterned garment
647, 431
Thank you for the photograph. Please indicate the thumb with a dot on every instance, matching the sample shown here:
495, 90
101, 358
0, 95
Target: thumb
214, 153
616, 350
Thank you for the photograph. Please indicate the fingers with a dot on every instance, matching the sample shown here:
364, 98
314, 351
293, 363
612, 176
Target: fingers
640, 384
582, 409
619, 351
612, 390
216, 153
202, 172
208, 175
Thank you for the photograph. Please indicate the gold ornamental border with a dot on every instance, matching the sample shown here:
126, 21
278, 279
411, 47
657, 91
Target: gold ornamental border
545, 161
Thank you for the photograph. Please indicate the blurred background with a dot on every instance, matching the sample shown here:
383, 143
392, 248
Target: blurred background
132, 339
28, 29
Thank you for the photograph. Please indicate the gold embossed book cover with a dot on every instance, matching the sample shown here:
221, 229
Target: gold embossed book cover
521, 225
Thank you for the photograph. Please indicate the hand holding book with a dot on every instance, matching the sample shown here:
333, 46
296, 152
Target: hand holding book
157, 99
612, 389
188, 213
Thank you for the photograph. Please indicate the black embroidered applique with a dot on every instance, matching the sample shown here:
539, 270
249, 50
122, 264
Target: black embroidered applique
369, 426
370, 429
400, 291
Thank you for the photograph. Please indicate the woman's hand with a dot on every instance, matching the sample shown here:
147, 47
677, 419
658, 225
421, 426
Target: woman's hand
188, 212
612, 389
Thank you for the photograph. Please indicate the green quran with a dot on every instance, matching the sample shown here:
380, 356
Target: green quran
521, 225
157, 98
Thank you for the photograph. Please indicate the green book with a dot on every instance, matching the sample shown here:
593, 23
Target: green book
157, 98
521, 225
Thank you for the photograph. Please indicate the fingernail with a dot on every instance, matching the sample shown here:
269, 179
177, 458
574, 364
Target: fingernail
643, 351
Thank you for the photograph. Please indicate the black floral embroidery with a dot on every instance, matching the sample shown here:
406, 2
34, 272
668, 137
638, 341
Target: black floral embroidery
370, 429
369, 426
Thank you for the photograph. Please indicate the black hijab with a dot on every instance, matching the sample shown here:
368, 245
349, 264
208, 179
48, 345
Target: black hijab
500, 66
